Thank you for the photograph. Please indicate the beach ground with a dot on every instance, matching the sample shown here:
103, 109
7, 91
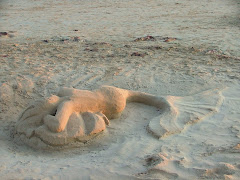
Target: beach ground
176, 48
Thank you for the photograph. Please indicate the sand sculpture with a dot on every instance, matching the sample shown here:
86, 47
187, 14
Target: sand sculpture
78, 115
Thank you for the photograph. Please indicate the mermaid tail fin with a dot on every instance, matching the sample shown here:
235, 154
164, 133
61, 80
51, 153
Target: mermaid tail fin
184, 111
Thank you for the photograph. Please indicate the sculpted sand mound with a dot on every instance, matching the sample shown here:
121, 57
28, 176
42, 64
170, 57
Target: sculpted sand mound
79, 115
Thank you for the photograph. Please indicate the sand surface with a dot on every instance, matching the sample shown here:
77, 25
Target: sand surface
194, 47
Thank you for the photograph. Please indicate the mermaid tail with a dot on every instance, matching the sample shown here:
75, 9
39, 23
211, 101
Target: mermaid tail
184, 111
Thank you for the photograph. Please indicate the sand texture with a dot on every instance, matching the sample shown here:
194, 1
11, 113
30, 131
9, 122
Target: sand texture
183, 53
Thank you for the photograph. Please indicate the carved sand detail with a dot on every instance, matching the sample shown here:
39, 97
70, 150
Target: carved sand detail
78, 115
184, 111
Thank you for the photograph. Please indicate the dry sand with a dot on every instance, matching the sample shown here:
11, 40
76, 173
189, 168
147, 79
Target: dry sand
85, 44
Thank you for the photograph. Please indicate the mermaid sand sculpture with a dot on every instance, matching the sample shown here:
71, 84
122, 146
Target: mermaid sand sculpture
78, 115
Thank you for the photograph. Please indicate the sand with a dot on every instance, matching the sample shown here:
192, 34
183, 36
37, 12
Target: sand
190, 47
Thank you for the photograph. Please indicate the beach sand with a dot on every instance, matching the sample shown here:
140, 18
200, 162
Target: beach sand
189, 47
